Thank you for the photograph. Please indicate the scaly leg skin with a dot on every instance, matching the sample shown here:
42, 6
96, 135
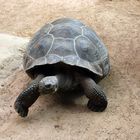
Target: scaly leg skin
97, 99
27, 97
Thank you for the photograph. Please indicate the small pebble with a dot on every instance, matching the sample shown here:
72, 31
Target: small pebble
56, 126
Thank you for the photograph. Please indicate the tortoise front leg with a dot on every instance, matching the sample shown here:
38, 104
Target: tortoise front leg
27, 97
97, 99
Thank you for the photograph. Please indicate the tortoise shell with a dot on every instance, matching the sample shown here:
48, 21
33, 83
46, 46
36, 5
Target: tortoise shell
70, 42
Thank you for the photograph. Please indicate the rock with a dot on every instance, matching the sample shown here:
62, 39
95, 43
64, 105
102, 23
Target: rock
11, 52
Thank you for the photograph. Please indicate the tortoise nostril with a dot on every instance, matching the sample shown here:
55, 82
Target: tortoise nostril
48, 86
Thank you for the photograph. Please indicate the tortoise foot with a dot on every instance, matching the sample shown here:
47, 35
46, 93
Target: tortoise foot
97, 106
20, 109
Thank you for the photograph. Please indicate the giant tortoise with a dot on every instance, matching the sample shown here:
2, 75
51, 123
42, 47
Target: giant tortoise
62, 55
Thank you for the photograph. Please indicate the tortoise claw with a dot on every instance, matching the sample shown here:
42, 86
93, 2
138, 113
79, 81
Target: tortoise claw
97, 106
21, 110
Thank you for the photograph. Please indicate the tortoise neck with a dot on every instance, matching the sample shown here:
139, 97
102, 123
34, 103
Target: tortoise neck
65, 81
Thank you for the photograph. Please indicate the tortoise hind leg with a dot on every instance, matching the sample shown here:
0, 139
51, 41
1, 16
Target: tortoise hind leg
27, 97
97, 99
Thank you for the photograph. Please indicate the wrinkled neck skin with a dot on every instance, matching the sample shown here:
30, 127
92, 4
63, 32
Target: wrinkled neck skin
66, 81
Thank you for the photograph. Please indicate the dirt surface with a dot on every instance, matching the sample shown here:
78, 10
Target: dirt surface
118, 24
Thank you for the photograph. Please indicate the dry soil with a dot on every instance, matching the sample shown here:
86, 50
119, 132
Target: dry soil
117, 22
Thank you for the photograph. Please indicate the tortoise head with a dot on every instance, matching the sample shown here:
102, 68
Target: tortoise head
48, 84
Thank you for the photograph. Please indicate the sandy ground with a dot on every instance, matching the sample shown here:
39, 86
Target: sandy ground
118, 24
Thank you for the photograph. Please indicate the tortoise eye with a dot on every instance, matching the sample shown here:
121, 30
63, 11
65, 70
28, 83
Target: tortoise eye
48, 86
